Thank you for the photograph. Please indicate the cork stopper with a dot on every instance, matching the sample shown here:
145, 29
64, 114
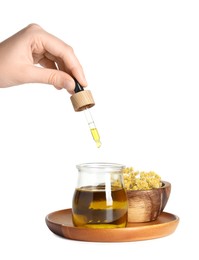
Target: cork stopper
82, 100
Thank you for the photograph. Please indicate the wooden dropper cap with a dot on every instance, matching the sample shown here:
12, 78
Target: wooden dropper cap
82, 99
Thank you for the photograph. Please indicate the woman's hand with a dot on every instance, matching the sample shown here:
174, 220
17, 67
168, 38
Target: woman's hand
56, 62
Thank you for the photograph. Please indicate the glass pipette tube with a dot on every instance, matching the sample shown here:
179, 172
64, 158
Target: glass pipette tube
92, 127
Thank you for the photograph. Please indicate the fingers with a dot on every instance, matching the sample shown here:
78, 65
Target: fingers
57, 78
59, 52
33, 45
46, 63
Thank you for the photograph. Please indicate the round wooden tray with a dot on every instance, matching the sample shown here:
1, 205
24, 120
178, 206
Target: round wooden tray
60, 223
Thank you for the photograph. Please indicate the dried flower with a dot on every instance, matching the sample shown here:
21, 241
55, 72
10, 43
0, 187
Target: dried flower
135, 180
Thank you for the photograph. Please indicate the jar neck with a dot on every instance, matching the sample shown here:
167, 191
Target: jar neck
100, 174
100, 167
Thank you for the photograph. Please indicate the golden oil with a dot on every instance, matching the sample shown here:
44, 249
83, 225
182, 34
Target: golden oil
96, 136
93, 128
92, 209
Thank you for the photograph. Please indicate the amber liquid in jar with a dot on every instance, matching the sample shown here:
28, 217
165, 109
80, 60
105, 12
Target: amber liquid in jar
94, 207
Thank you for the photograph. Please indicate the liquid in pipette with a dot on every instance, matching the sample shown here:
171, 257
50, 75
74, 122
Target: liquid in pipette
93, 128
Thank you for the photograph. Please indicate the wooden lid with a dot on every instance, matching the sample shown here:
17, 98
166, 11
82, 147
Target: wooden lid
82, 100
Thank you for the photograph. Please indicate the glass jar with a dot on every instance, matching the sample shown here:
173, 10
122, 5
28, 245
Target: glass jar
100, 199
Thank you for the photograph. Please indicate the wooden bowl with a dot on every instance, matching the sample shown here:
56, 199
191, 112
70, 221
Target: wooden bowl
146, 205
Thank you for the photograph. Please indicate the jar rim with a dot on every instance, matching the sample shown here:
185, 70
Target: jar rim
100, 165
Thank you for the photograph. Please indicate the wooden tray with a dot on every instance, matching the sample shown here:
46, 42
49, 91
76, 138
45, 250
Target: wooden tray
60, 223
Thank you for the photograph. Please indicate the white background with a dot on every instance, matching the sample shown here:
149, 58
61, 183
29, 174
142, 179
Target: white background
141, 60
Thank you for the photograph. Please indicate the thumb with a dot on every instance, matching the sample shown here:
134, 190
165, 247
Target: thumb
57, 78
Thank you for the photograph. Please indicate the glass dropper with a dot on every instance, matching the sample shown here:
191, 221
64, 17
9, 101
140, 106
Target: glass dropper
82, 100
92, 127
